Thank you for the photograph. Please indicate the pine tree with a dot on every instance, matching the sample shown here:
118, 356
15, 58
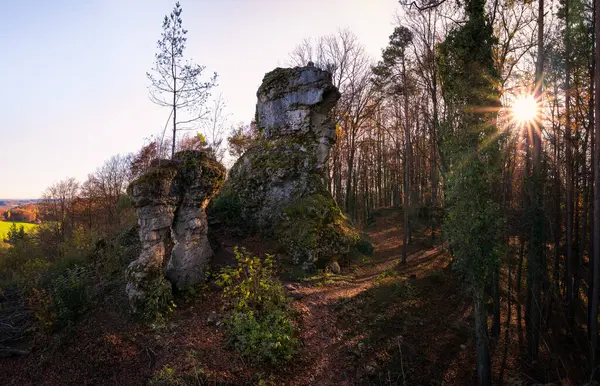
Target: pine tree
175, 82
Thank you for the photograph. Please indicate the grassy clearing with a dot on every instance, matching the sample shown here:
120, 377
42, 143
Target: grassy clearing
5, 226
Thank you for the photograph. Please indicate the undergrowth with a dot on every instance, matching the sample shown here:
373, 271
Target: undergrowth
58, 289
70, 294
167, 375
261, 321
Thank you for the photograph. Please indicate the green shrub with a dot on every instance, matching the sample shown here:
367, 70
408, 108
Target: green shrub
365, 245
21, 263
112, 255
227, 208
261, 324
69, 294
31, 273
404, 290
41, 304
165, 376
157, 304
390, 272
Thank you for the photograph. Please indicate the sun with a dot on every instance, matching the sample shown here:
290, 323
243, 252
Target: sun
524, 109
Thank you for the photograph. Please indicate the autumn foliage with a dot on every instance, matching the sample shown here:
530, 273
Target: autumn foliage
27, 213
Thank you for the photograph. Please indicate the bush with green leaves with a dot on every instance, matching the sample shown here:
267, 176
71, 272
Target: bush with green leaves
228, 209
261, 323
170, 376
69, 293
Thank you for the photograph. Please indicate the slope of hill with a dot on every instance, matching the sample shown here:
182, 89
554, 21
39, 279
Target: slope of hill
375, 323
9, 203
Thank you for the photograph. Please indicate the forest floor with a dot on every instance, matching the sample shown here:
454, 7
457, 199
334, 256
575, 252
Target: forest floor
376, 323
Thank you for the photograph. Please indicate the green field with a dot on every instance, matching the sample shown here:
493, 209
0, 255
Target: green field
5, 226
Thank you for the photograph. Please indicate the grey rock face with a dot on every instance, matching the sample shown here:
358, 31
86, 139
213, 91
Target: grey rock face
170, 200
335, 268
197, 181
298, 101
155, 206
277, 187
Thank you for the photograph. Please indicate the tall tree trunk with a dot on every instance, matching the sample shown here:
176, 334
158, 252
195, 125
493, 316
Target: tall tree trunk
495, 331
584, 220
591, 186
434, 131
535, 265
554, 287
508, 322
484, 372
557, 214
349, 181
407, 161
596, 233
569, 177
174, 110
518, 289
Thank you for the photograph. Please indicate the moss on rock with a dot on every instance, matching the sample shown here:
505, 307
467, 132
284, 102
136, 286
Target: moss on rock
199, 176
154, 186
314, 228
277, 187
152, 294
170, 199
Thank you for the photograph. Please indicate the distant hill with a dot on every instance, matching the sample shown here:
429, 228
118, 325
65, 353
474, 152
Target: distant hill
21, 210
8, 203
12, 202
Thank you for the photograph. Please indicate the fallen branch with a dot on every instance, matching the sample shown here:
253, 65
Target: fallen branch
15, 317
6, 352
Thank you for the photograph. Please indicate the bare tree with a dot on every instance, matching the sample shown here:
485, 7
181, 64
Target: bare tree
596, 168
57, 209
343, 55
214, 127
108, 184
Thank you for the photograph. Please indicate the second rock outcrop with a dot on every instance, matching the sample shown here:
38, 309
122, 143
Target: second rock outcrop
171, 199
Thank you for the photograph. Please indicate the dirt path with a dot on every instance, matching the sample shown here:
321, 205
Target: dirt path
343, 347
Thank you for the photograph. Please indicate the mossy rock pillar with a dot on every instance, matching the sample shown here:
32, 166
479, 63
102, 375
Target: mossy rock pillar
171, 199
151, 195
198, 179
278, 186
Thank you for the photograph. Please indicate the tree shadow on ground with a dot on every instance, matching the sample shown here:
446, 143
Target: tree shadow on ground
413, 331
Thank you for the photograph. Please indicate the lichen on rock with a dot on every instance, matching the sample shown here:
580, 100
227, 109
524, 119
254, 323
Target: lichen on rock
277, 187
171, 199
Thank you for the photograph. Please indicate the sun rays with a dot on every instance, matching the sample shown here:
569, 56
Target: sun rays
524, 109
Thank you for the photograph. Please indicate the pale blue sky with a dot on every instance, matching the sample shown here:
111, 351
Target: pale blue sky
73, 73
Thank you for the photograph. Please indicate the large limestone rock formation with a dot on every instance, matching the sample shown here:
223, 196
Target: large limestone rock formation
297, 103
171, 199
277, 187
